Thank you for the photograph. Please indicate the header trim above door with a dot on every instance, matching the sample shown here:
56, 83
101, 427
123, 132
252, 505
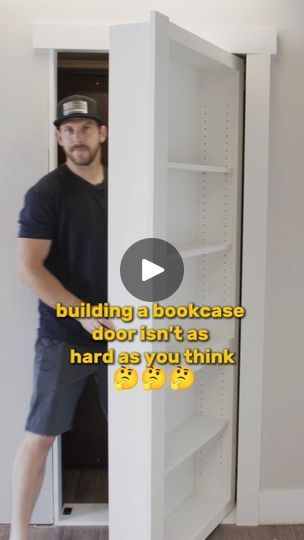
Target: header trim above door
92, 37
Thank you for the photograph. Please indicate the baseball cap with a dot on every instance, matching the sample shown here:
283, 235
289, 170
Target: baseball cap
77, 106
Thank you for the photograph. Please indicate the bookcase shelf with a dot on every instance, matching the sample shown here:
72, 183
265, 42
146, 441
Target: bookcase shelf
215, 342
196, 249
179, 178
189, 436
193, 520
197, 168
202, 220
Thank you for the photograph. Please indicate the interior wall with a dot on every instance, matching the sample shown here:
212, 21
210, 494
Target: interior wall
24, 99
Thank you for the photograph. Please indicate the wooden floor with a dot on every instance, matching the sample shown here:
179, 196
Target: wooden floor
223, 532
92, 486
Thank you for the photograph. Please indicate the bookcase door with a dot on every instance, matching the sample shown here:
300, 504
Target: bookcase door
175, 173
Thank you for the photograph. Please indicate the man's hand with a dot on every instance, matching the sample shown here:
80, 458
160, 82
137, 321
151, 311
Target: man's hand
31, 254
92, 323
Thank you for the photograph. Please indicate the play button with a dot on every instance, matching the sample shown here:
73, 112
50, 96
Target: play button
152, 269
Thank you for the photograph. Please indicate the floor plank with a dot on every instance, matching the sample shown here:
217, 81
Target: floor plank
61, 533
263, 532
223, 532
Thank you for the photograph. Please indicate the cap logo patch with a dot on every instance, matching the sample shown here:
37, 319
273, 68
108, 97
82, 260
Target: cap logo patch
71, 107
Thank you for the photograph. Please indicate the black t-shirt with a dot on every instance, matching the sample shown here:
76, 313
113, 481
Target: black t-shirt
71, 212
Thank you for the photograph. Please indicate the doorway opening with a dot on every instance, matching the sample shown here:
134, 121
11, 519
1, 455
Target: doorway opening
84, 449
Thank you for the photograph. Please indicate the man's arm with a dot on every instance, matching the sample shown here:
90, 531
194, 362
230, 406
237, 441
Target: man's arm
31, 254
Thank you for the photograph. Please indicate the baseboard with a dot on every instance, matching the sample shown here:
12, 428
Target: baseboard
230, 518
281, 506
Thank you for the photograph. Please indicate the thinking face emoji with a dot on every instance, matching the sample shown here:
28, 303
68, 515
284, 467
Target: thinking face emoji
181, 378
153, 378
125, 378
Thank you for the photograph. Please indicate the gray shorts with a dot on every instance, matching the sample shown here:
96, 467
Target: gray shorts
57, 385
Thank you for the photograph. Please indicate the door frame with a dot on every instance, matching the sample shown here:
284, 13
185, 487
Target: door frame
257, 44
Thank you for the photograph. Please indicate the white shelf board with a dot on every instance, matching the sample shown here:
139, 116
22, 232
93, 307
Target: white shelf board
85, 514
196, 248
189, 436
216, 343
196, 517
198, 168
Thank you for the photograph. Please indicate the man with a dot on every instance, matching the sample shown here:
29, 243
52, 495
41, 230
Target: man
62, 256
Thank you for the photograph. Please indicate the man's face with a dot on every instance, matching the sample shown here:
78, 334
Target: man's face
80, 139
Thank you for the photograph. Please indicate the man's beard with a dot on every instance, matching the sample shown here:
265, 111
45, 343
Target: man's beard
85, 158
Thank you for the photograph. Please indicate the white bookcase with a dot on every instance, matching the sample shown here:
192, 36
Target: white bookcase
176, 173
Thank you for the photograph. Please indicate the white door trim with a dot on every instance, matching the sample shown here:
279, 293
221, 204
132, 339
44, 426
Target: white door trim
71, 37
96, 37
253, 287
258, 44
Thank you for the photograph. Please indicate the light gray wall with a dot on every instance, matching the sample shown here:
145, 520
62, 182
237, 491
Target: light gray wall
23, 151
23, 100
283, 405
